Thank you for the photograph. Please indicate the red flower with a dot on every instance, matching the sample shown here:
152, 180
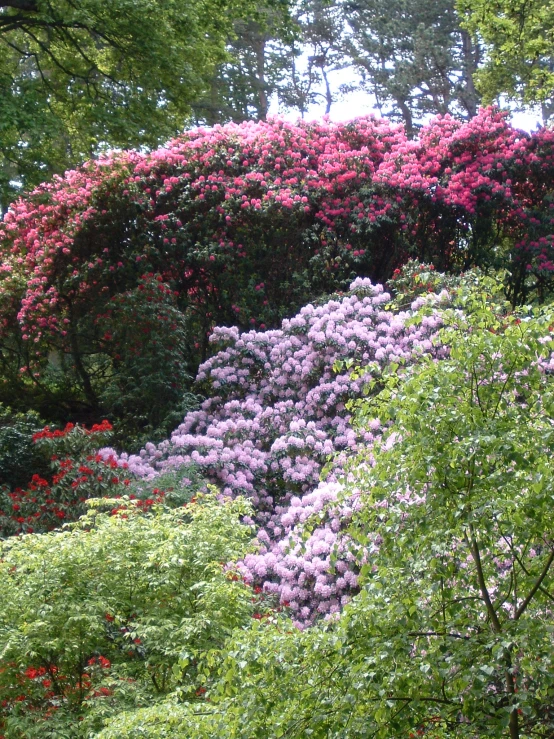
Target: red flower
102, 691
33, 672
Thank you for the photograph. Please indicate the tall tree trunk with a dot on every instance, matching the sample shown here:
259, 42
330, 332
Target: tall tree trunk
407, 116
470, 61
328, 93
547, 111
263, 103
78, 362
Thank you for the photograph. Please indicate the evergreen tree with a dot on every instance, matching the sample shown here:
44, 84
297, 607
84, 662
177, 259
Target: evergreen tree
414, 57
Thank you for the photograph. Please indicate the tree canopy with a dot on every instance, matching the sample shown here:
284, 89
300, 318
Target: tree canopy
518, 38
414, 57
76, 77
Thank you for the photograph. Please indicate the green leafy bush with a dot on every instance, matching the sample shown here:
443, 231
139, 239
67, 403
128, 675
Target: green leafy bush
18, 454
115, 612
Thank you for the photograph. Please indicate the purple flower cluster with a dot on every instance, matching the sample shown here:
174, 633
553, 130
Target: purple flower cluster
276, 413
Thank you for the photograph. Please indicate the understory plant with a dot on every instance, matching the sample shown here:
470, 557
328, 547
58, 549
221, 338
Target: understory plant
72, 473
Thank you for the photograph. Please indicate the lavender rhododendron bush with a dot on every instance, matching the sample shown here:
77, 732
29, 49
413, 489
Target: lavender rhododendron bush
450, 636
241, 225
276, 411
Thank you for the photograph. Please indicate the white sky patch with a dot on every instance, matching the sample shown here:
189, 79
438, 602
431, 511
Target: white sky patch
359, 103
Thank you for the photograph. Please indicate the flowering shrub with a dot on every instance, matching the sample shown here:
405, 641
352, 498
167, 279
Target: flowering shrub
79, 473
245, 223
276, 411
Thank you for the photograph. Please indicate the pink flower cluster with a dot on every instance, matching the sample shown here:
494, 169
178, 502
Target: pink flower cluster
38, 236
336, 198
276, 414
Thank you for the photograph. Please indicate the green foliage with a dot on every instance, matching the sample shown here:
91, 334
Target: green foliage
518, 41
116, 612
459, 505
18, 454
141, 370
242, 87
78, 78
177, 487
265, 691
449, 638
453, 627
167, 720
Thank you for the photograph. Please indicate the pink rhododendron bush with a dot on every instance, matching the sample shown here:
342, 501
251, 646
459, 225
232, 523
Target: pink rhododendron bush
242, 225
276, 412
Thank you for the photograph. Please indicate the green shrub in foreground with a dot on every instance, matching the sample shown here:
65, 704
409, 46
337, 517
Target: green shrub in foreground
115, 612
